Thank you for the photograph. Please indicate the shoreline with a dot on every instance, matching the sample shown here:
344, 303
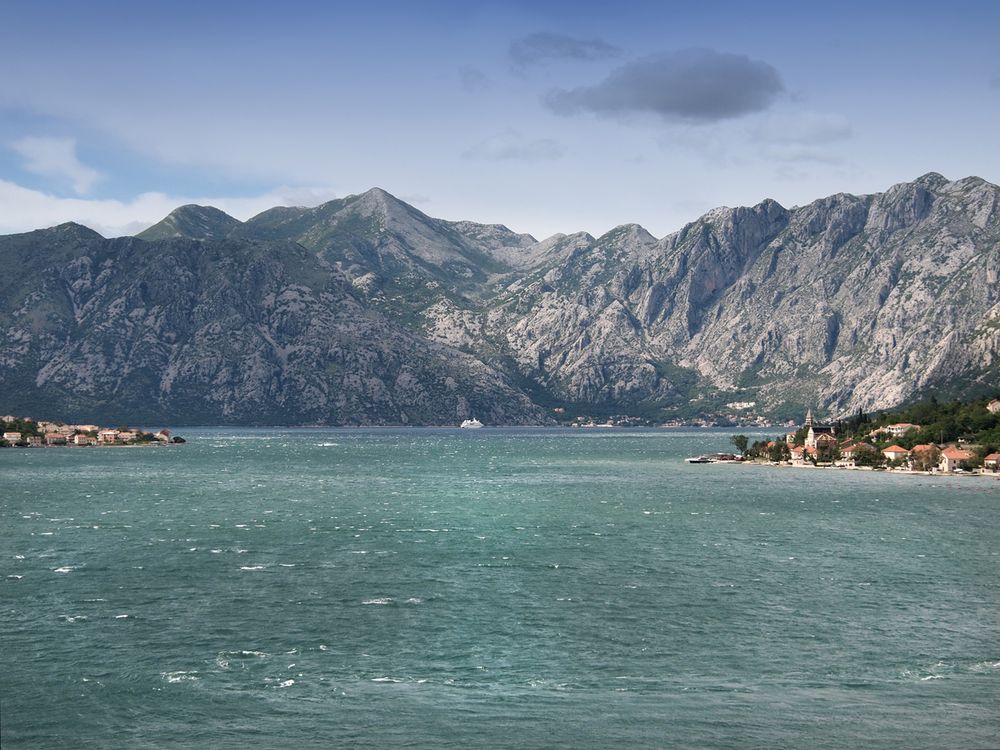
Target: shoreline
893, 472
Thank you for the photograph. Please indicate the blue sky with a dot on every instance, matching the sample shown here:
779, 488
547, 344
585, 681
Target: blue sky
545, 116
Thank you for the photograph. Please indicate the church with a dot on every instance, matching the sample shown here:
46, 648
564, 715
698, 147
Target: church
820, 441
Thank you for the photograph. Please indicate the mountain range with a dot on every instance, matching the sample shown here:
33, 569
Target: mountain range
365, 310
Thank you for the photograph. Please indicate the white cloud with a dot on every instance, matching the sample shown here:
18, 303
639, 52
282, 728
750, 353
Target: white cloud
511, 145
801, 136
23, 209
802, 127
54, 157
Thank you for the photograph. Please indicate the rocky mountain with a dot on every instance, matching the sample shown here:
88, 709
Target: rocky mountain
366, 310
849, 302
216, 332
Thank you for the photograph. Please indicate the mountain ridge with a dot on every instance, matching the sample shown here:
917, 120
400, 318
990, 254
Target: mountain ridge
847, 302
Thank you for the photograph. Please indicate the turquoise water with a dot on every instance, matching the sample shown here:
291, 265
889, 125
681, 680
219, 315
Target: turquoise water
492, 588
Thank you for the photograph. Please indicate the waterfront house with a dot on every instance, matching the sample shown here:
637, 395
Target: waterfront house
895, 453
992, 462
12, 437
55, 438
34, 441
127, 436
797, 453
849, 453
107, 436
952, 457
82, 439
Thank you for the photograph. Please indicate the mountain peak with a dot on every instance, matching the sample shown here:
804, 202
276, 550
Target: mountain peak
193, 222
932, 180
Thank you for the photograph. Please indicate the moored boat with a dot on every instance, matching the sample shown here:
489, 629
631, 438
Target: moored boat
471, 424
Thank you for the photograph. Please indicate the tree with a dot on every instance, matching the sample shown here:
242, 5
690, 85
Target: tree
779, 451
926, 459
741, 442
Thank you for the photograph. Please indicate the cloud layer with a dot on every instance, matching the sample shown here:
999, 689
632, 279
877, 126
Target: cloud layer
55, 158
695, 85
537, 48
25, 209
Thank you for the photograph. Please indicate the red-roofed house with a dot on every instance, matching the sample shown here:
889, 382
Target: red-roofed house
992, 462
850, 452
952, 457
895, 453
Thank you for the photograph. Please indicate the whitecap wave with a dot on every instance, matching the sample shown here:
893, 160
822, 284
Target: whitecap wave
378, 600
174, 677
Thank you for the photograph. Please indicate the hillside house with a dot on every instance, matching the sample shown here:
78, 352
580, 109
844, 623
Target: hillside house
897, 430
993, 407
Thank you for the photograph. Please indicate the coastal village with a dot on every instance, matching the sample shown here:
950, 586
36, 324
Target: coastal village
25, 432
897, 446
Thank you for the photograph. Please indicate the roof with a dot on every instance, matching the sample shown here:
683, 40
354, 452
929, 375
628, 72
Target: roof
956, 454
894, 449
993, 457
922, 447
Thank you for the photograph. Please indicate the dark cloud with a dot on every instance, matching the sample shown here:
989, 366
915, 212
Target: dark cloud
536, 48
696, 85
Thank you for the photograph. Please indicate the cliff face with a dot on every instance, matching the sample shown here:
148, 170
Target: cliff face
848, 302
367, 311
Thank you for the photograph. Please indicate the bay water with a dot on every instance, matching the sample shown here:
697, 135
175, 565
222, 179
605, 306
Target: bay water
494, 588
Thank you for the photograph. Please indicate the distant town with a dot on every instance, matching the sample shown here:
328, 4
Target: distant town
25, 432
953, 438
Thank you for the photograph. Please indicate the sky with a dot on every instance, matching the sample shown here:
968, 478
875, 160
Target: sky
544, 116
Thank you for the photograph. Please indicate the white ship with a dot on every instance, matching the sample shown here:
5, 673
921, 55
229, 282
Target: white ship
471, 424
